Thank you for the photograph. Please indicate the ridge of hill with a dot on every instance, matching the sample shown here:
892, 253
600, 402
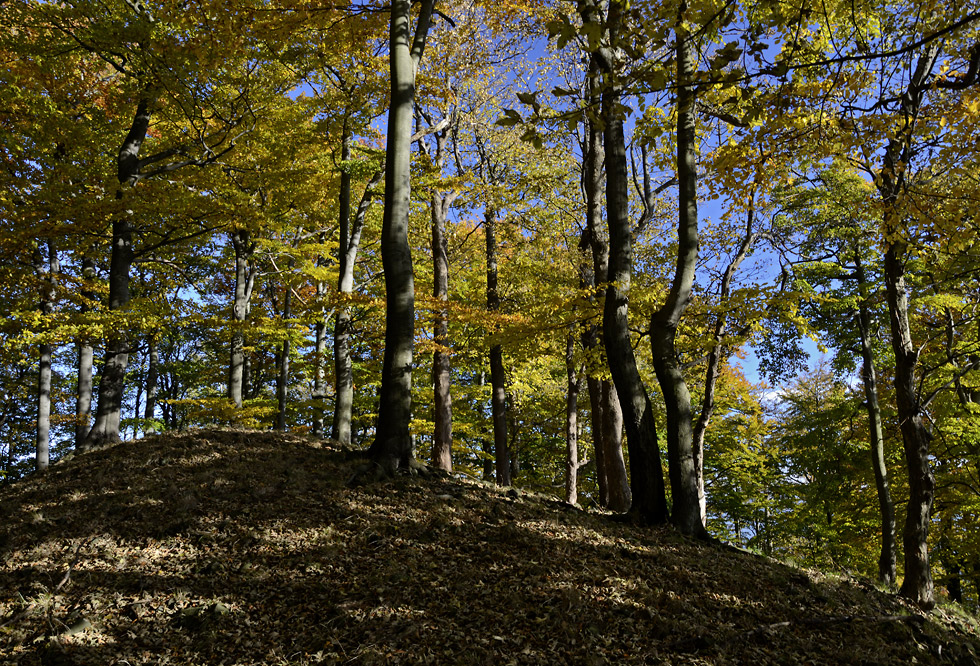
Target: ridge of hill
241, 547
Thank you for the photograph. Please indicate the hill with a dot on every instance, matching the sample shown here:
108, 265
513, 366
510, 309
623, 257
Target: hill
235, 547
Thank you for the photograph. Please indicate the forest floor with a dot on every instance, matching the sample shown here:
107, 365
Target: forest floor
236, 547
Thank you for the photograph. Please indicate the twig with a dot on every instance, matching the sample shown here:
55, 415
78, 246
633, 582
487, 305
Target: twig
64, 580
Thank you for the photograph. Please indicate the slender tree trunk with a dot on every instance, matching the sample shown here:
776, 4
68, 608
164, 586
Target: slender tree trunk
86, 354
498, 394
152, 380
282, 376
47, 274
918, 584
717, 353
441, 367
887, 558
571, 423
244, 247
350, 240
683, 464
111, 383
392, 447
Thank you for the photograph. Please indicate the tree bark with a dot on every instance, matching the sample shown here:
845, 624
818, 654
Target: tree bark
681, 458
152, 380
86, 355
392, 447
441, 366
47, 274
244, 247
606, 414
282, 376
887, 558
571, 423
648, 489
498, 393
917, 585
111, 383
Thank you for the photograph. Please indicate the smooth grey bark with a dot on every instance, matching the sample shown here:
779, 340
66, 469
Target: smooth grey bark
682, 461
498, 377
392, 447
442, 436
918, 584
572, 463
244, 247
718, 352
86, 356
47, 273
111, 382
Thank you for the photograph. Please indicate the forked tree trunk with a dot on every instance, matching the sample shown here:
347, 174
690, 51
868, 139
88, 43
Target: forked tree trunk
682, 463
392, 447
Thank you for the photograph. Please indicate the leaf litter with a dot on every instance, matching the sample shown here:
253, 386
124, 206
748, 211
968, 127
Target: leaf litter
233, 547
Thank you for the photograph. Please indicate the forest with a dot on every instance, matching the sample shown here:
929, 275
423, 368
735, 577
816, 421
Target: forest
584, 249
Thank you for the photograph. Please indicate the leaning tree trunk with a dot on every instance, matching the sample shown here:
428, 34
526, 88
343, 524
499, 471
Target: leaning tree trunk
887, 559
111, 383
244, 246
47, 274
498, 393
392, 447
682, 463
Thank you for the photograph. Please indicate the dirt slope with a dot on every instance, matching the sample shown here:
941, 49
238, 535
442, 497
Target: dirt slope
231, 547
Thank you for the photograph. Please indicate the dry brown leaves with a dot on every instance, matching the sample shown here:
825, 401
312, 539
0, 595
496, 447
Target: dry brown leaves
235, 547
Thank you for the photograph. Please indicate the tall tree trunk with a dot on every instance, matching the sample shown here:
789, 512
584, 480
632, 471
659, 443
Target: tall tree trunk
607, 415
571, 423
244, 247
112, 381
350, 241
646, 472
152, 380
682, 463
47, 274
392, 447
887, 559
498, 393
918, 584
441, 368
86, 354
282, 376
